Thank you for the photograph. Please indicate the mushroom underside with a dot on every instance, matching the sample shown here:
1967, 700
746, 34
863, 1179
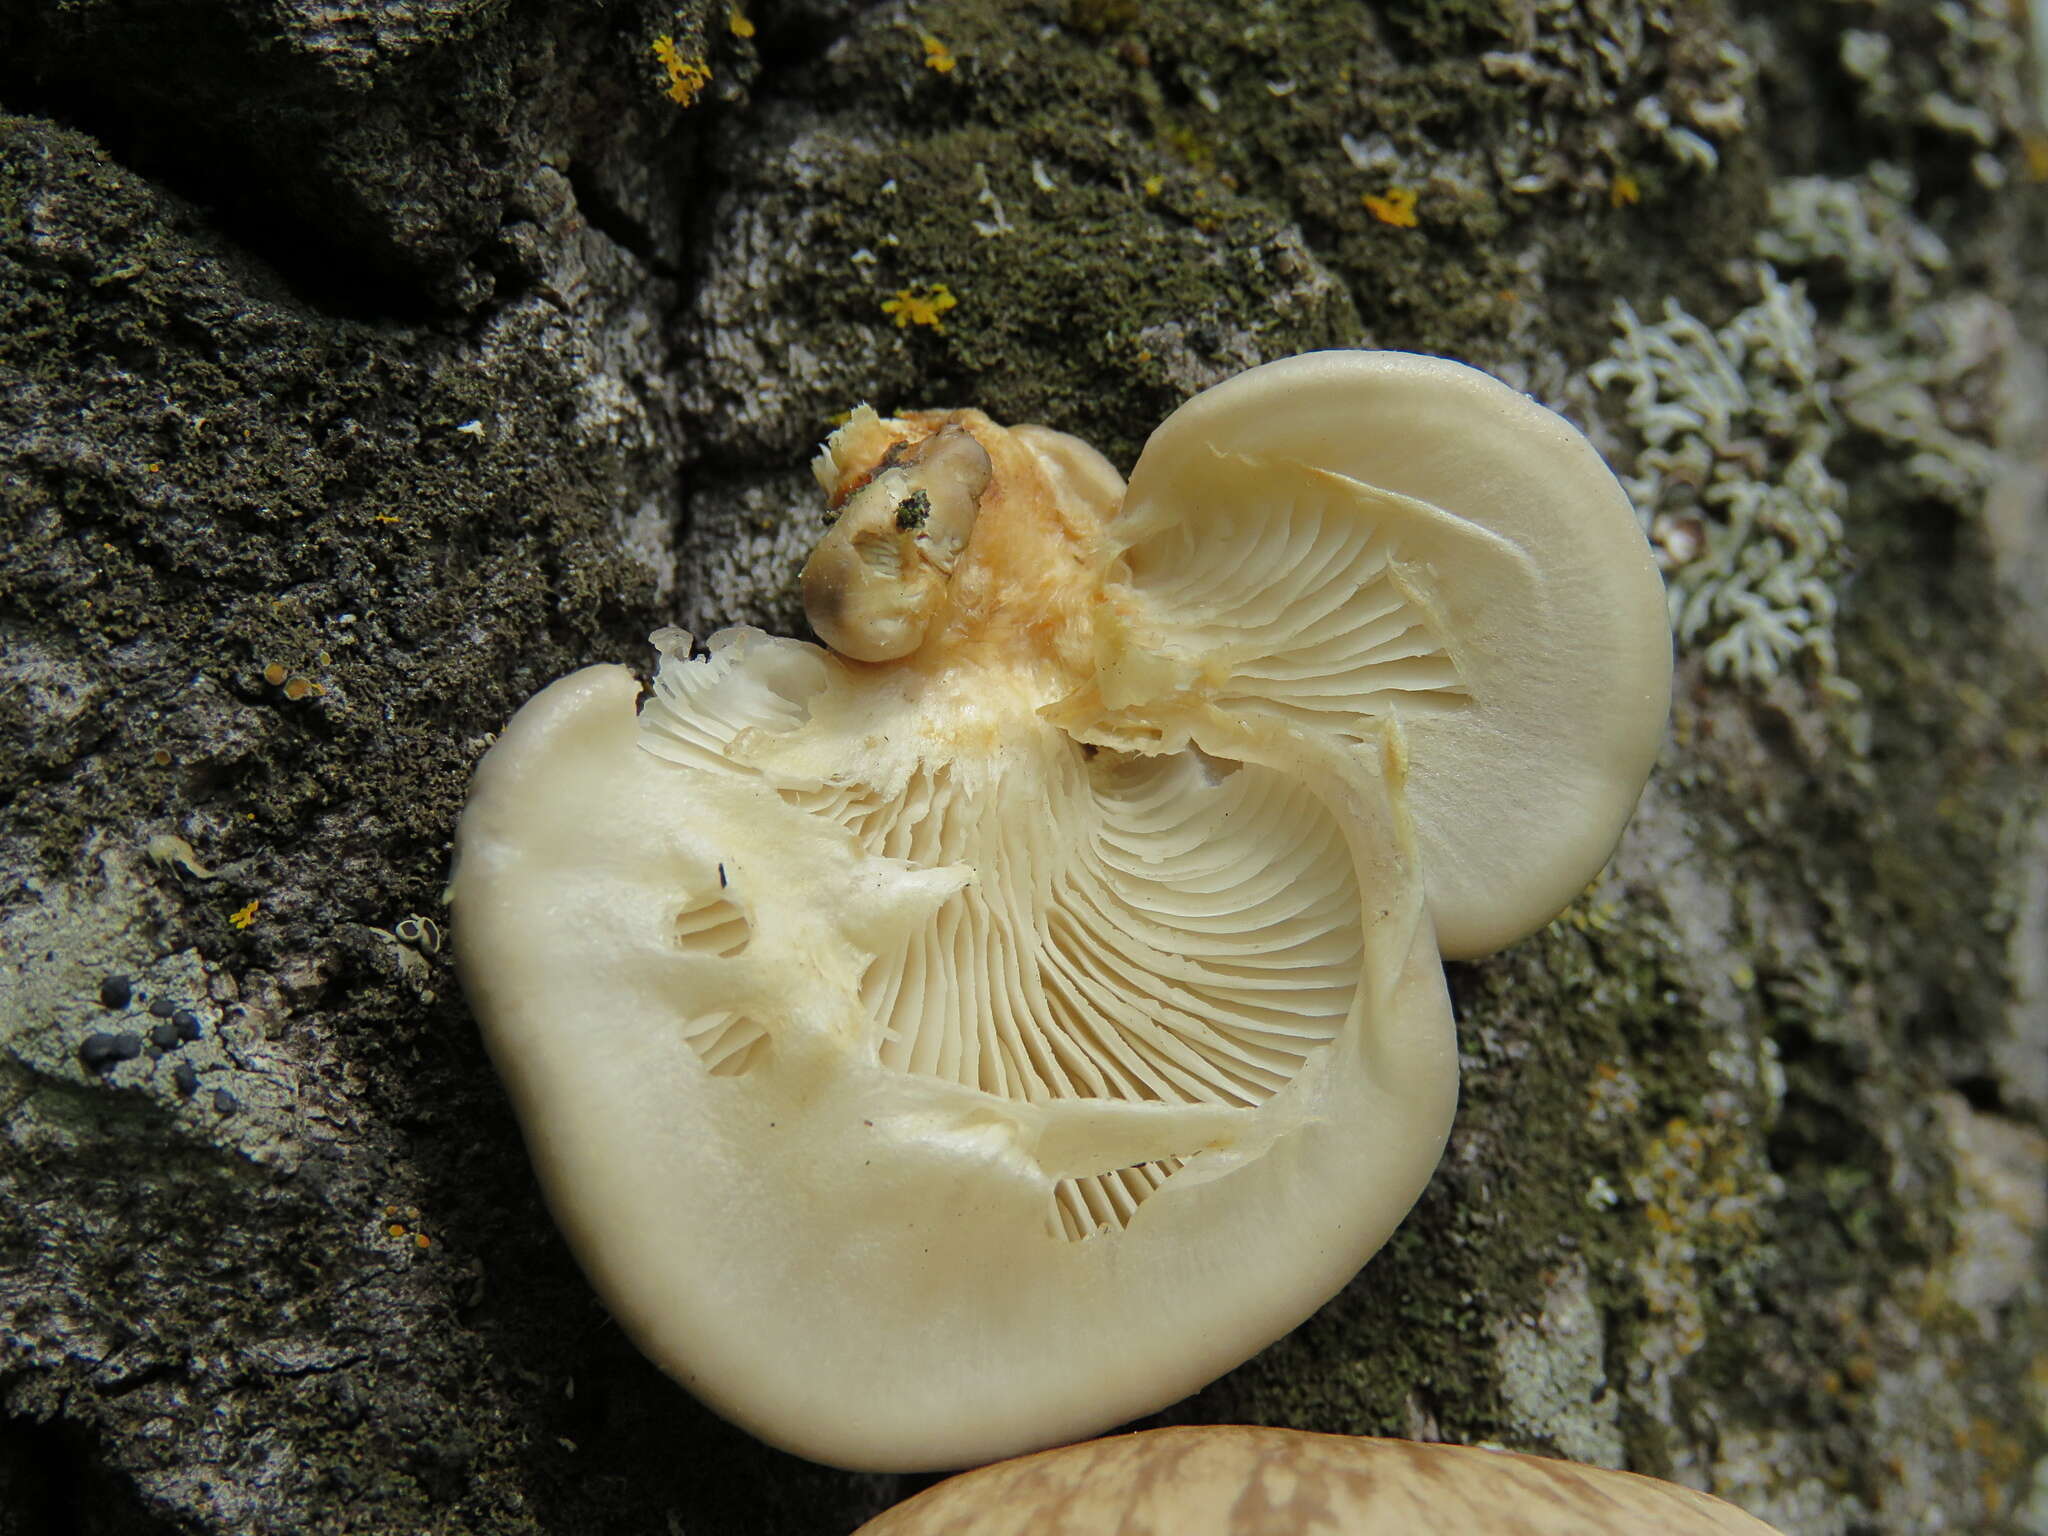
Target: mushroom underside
1175, 929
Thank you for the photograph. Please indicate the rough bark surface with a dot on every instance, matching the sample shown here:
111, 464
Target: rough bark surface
364, 367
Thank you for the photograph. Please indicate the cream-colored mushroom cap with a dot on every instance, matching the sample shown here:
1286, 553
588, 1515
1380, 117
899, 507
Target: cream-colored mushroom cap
1236, 1481
1344, 540
919, 1084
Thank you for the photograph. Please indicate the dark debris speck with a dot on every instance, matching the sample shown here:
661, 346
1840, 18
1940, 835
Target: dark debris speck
163, 1008
164, 1037
913, 511
115, 990
186, 1078
186, 1023
225, 1103
100, 1050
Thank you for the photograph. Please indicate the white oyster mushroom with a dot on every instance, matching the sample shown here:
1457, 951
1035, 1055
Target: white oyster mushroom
939, 1056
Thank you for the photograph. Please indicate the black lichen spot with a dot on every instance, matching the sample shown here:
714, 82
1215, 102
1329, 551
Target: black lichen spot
164, 1037
99, 1051
186, 1022
185, 1077
913, 511
162, 1008
115, 991
225, 1103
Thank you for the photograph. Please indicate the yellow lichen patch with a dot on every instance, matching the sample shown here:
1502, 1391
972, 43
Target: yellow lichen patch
687, 77
1701, 1187
736, 22
937, 56
921, 305
1396, 206
2034, 147
1591, 913
244, 917
1154, 185
1999, 1455
1624, 191
1613, 1096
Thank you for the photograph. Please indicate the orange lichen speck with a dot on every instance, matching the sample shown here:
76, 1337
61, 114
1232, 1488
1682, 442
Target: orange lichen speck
921, 305
1396, 207
687, 77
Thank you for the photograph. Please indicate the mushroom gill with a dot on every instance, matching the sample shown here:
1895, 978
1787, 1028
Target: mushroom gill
1168, 929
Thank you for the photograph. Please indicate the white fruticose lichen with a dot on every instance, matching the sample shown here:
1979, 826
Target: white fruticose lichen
1957, 67
1595, 55
1738, 423
1917, 367
1732, 481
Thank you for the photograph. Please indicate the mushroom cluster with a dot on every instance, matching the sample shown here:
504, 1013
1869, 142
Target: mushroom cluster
997, 1022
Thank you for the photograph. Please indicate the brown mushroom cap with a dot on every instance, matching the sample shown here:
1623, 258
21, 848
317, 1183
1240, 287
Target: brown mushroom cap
1234, 1480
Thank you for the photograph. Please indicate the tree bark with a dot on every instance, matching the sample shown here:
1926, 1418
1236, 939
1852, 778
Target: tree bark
363, 368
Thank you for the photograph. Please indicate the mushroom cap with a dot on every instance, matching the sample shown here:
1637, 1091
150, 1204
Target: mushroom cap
917, 1083
1346, 539
1234, 1480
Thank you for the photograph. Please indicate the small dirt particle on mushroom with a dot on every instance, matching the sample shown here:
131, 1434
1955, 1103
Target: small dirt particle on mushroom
100, 1050
225, 1103
164, 1037
187, 1024
162, 1008
115, 991
185, 1077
